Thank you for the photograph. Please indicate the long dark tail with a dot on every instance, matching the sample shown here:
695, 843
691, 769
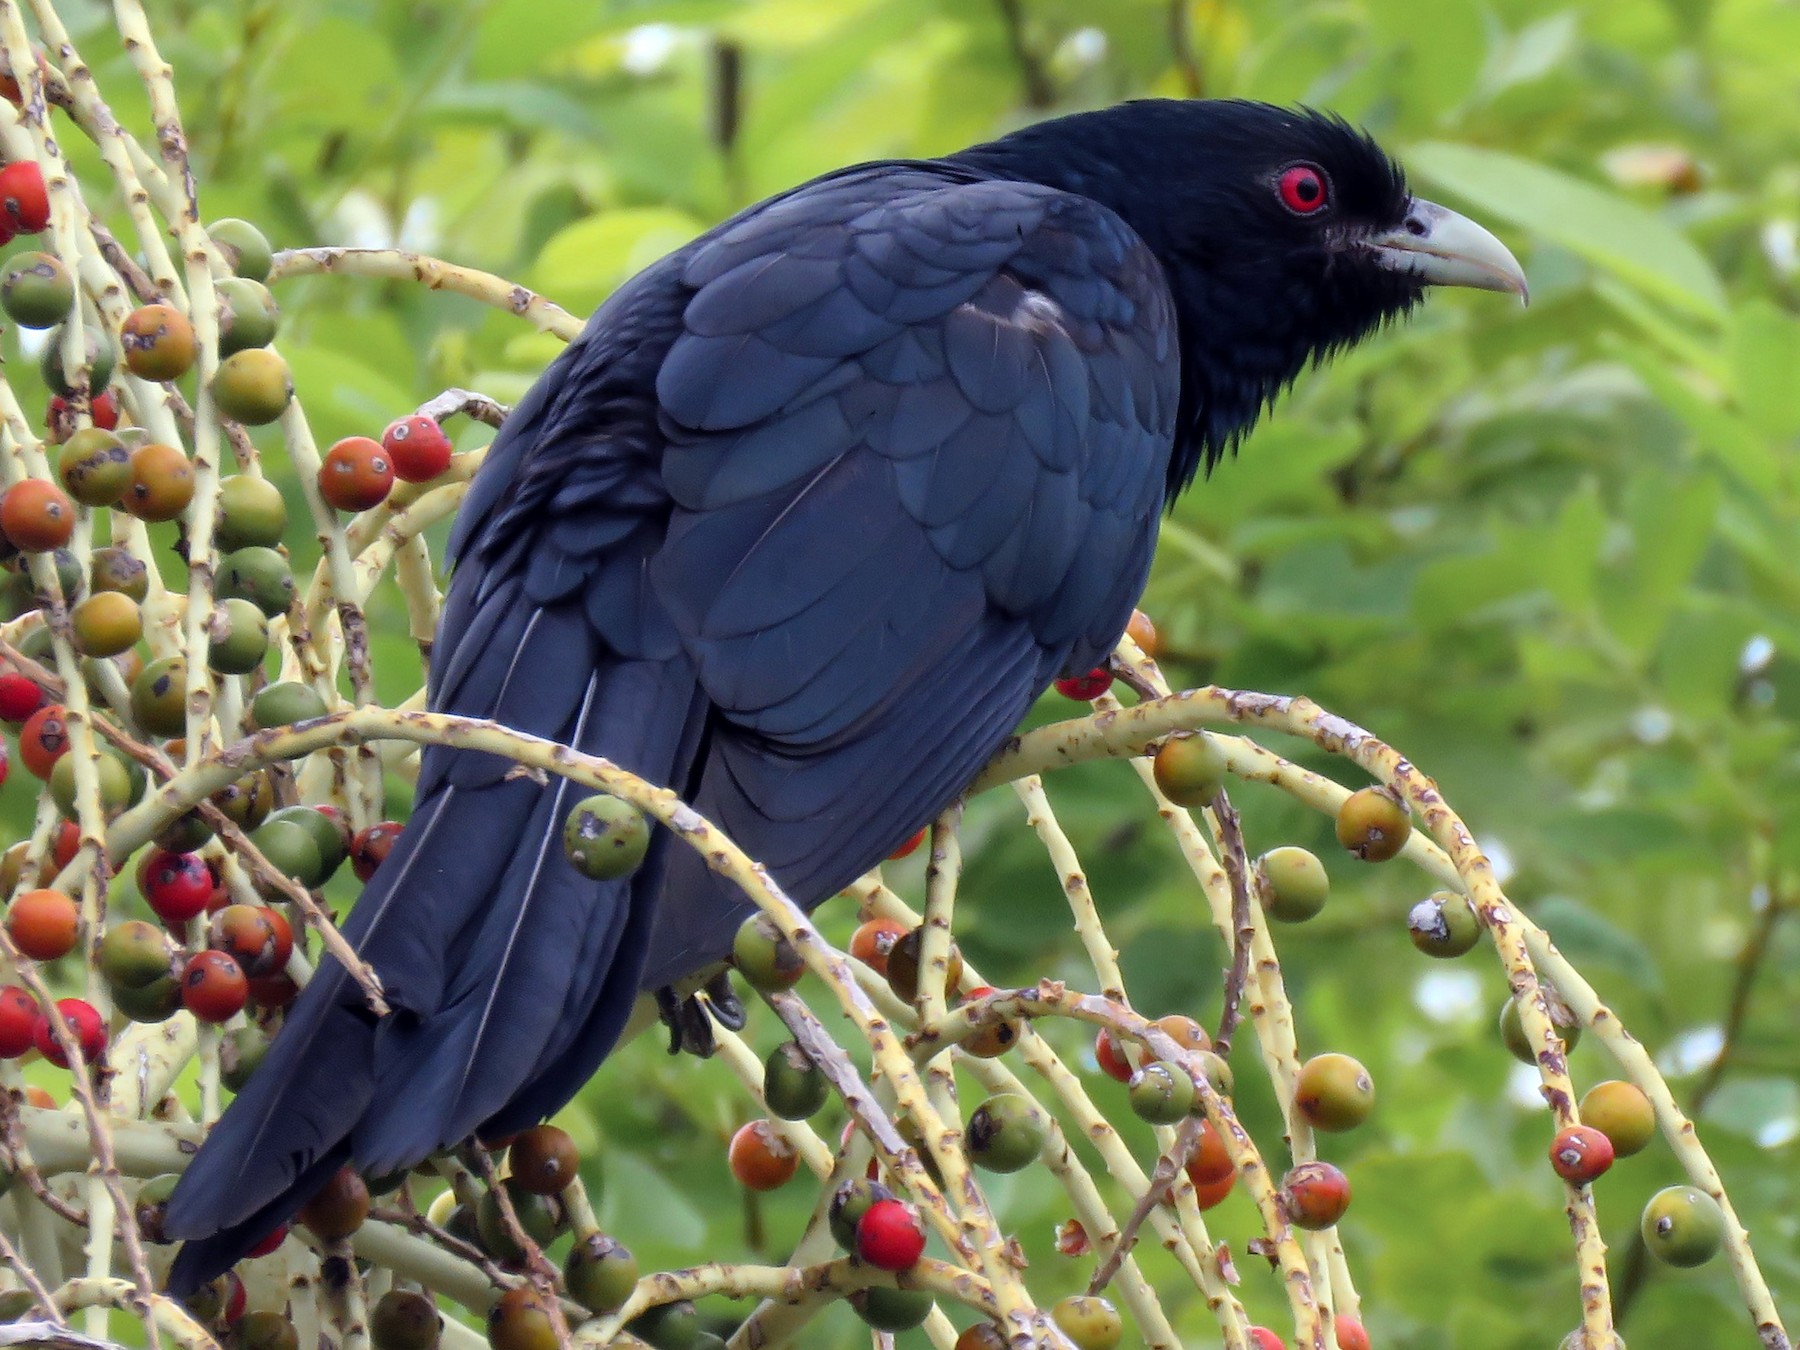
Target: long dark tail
489, 944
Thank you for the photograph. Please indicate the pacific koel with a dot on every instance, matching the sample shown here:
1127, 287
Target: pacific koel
800, 526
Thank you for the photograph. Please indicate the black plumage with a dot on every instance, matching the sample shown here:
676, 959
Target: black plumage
800, 525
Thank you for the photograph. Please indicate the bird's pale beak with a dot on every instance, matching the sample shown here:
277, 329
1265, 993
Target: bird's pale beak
1442, 248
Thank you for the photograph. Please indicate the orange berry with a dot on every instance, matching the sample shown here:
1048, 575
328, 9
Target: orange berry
356, 475
37, 516
44, 924
762, 1160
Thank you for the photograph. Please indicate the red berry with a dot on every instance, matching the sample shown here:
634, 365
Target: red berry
356, 474
19, 697
213, 987
889, 1236
82, 1020
1111, 1056
1085, 688
235, 1298
1315, 1194
67, 842
1261, 1338
370, 847
1210, 1163
177, 885
1350, 1333
24, 203
872, 942
258, 938
1210, 1194
275, 1239
18, 1015
103, 411
273, 991
911, 846
417, 447
44, 924
1580, 1154
43, 740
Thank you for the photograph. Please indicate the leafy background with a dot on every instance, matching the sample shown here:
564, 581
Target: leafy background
1551, 554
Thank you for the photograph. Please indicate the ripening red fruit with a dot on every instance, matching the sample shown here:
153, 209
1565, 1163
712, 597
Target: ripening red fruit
177, 885
1261, 1338
236, 1299
889, 1236
213, 987
762, 1160
417, 447
275, 1239
66, 844
1210, 1194
1315, 1195
1580, 1154
1350, 1333
356, 474
1210, 1163
1111, 1057
274, 991
43, 740
910, 847
24, 202
19, 697
103, 411
82, 1020
370, 847
18, 1016
257, 937
872, 942
44, 924
1085, 688
37, 516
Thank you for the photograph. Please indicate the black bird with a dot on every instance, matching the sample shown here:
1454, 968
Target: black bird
800, 525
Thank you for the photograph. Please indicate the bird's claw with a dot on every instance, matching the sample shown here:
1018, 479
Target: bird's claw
727, 1007
690, 1020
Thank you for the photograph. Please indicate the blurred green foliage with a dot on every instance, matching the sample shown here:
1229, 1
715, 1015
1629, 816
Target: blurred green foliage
1553, 555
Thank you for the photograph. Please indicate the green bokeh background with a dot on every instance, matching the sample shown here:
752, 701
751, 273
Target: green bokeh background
1553, 554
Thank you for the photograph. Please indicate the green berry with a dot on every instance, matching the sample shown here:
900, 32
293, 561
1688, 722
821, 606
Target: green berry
764, 957
264, 1330
540, 1216
1292, 884
159, 697
100, 362
248, 315
1520, 1046
793, 1086
246, 250
237, 638
94, 466
148, 1206
1190, 769
1622, 1113
1444, 924
670, 1326
37, 290
1373, 824
155, 1002
600, 1272
134, 954
1683, 1226
405, 1320
239, 1055
252, 513
1006, 1133
253, 387
605, 837
115, 569
1334, 1093
891, 1309
285, 703
849, 1203
1161, 1093
289, 847
257, 574
1088, 1320
248, 801
328, 835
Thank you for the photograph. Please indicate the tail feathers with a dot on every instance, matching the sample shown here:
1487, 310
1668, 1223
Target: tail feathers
295, 1111
203, 1259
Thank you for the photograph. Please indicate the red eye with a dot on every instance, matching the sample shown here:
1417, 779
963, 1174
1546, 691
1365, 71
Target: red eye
1304, 189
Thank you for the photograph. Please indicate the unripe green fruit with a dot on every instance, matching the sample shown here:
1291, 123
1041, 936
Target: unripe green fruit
671, 1326
1161, 1093
1444, 924
248, 801
116, 785
185, 834
17, 1304
115, 569
94, 466
159, 697
1683, 1226
540, 1216
251, 514
289, 847
1292, 884
1006, 1133
157, 1001
1373, 824
246, 250
327, 835
892, 1309
100, 361
264, 1330
37, 290
1190, 769
248, 315
1334, 1093
134, 955
404, 1320
519, 1321
764, 957
259, 575
600, 1272
1217, 1071
106, 624
283, 704
605, 837
148, 1206
1520, 1046
253, 387
237, 638
1088, 1320
240, 1054
793, 1086
1622, 1113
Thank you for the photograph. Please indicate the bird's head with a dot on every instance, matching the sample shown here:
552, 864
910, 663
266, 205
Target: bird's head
1285, 235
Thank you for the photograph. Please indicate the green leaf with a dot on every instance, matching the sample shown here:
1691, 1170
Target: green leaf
1583, 935
1750, 1106
1601, 226
585, 262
